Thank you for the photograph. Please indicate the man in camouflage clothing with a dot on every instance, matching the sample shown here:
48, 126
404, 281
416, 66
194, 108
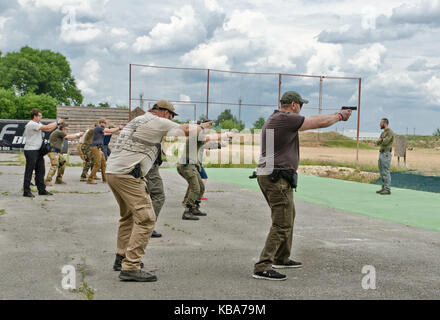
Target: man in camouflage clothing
57, 160
386, 144
87, 152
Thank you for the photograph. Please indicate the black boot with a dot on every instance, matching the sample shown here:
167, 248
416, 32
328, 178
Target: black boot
117, 266
196, 210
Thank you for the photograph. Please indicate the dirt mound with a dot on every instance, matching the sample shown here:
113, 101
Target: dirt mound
339, 173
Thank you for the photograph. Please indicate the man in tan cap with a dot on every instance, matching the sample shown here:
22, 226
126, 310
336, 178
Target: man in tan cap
277, 178
133, 155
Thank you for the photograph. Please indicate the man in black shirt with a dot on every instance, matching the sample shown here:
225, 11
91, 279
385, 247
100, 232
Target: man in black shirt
277, 178
96, 146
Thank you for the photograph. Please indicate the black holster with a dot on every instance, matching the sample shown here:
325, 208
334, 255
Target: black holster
136, 172
289, 175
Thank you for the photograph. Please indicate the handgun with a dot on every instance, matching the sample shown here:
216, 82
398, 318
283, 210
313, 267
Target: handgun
203, 121
349, 108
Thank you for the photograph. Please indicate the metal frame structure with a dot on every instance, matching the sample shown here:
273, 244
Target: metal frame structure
280, 82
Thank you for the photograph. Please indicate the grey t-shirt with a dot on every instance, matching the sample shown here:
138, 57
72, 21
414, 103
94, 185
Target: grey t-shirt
98, 136
33, 136
280, 142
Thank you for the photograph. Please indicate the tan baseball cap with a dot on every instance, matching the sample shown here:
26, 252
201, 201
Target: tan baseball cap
164, 104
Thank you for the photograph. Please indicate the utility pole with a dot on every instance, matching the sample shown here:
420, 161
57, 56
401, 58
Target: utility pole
141, 98
239, 110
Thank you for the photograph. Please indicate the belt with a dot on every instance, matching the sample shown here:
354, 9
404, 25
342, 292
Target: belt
55, 150
383, 151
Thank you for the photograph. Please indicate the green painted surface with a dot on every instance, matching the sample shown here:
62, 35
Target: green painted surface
414, 208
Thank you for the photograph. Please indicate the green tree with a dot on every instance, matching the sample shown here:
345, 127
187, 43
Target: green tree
34, 71
104, 105
46, 104
225, 115
7, 104
19, 107
437, 132
231, 124
259, 123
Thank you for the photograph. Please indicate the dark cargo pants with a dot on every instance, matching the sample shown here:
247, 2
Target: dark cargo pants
279, 197
155, 189
196, 188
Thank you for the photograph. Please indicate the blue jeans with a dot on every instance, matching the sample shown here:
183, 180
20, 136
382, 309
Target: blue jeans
384, 169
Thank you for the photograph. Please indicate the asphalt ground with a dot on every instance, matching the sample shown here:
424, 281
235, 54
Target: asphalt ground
207, 259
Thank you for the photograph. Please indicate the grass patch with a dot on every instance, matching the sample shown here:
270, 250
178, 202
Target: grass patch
84, 289
5, 193
231, 165
347, 144
176, 229
361, 167
78, 192
74, 164
2, 212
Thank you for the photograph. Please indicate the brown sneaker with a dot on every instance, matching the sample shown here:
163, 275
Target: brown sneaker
91, 182
48, 183
385, 191
59, 181
83, 179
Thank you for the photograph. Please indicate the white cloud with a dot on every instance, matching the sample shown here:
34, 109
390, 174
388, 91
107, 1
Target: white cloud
90, 77
121, 45
212, 5
119, 32
369, 59
74, 32
3, 21
326, 60
211, 55
184, 29
433, 89
250, 23
88, 7
424, 11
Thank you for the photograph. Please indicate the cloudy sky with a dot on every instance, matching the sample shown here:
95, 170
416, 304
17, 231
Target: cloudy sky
392, 45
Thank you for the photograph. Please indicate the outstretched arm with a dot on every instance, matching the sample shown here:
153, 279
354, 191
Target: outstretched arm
324, 120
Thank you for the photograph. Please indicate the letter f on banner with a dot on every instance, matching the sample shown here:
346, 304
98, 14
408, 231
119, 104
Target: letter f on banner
69, 280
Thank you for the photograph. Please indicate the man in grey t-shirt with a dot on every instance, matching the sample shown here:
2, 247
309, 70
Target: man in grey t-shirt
33, 135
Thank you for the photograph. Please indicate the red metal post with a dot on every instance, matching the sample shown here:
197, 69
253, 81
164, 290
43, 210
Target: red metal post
207, 97
359, 117
279, 90
129, 94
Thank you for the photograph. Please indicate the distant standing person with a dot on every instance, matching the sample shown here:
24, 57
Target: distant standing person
385, 142
33, 134
57, 160
98, 139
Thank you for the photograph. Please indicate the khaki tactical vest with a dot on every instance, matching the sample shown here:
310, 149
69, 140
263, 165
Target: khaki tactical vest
131, 137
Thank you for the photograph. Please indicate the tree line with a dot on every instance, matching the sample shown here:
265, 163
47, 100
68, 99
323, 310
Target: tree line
33, 78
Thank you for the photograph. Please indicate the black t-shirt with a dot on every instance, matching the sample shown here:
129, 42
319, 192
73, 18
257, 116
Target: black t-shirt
283, 127
98, 136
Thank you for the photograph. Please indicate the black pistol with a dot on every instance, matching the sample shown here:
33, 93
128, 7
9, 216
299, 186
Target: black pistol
349, 108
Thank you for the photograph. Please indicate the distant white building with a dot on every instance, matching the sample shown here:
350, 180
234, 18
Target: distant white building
362, 135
